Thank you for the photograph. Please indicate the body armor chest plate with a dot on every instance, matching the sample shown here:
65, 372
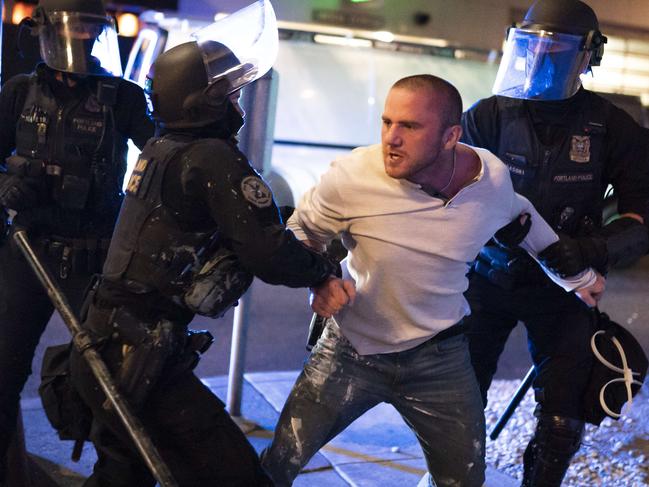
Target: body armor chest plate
73, 145
150, 245
563, 180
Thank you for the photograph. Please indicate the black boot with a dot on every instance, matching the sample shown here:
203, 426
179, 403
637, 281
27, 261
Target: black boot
549, 452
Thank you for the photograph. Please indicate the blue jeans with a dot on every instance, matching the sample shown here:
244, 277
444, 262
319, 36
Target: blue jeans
432, 386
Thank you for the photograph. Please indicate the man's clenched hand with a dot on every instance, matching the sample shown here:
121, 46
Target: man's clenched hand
331, 296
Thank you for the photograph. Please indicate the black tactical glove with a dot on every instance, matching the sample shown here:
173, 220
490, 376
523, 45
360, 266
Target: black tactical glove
570, 256
512, 234
18, 193
285, 212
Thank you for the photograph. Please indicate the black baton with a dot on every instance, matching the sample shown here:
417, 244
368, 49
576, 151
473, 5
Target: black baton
316, 328
513, 404
84, 345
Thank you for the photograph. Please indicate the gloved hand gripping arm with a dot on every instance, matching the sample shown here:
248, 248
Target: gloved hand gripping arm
620, 243
587, 284
18, 192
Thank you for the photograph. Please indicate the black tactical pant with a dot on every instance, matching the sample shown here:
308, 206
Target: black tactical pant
25, 310
559, 327
188, 424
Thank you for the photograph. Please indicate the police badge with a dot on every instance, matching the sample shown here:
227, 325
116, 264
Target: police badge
580, 148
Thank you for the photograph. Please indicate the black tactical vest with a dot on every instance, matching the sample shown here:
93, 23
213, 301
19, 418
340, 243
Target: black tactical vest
73, 145
150, 249
563, 180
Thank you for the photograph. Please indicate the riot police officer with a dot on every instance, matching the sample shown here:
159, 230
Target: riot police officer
197, 223
564, 146
63, 144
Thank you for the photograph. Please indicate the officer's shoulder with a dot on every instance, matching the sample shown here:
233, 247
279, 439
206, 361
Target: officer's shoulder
125, 84
592, 98
214, 143
614, 113
486, 103
18, 82
212, 148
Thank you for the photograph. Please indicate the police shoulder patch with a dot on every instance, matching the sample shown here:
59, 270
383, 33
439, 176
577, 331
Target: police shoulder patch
256, 191
136, 177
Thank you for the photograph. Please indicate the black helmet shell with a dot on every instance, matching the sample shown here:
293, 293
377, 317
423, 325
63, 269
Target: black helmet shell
175, 74
95, 7
567, 16
181, 94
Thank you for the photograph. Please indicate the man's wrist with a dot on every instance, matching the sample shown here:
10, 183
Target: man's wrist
325, 279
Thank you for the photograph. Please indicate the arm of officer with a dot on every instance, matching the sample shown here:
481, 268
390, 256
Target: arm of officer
588, 284
625, 239
17, 192
12, 99
619, 243
242, 205
132, 110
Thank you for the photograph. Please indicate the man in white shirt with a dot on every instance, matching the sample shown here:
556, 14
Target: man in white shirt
412, 213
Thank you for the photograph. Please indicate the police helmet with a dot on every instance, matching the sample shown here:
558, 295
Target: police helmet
545, 54
76, 36
190, 85
180, 93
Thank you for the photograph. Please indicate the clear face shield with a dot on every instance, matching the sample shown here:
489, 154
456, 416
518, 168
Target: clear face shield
251, 40
80, 43
541, 65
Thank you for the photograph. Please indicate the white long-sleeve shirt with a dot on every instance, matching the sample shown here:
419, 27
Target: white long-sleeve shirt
409, 252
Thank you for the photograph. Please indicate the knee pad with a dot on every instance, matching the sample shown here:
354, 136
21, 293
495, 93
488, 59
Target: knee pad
548, 455
558, 433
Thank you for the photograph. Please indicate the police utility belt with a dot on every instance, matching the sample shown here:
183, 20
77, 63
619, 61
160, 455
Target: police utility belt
147, 347
71, 256
70, 191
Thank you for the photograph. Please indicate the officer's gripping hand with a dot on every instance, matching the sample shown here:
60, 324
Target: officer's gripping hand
512, 234
593, 293
18, 193
570, 256
285, 212
331, 296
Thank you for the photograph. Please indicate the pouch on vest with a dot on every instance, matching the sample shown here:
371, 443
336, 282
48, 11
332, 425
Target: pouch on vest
218, 285
64, 408
618, 372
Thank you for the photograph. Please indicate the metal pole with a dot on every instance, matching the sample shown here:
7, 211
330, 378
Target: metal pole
259, 101
238, 354
84, 344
